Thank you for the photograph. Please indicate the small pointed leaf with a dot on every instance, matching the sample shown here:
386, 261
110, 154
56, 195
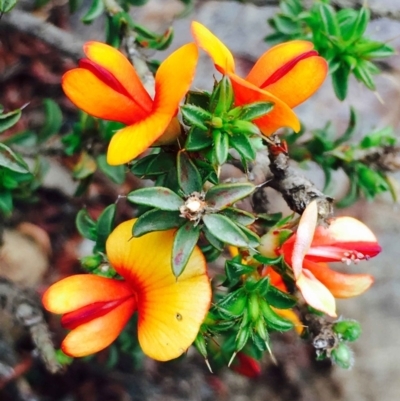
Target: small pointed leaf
184, 242
189, 177
225, 230
220, 196
156, 220
159, 197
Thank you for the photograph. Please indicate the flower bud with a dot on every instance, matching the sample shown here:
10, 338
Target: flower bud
343, 356
349, 330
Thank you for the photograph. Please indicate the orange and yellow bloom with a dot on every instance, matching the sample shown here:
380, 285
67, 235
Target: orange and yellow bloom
107, 86
346, 240
170, 310
286, 75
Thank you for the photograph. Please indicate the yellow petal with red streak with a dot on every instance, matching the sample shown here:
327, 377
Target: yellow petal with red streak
93, 96
280, 116
315, 293
275, 58
339, 284
218, 52
174, 77
171, 309
301, 82
131, 141
76, 291
99, 333
119, 66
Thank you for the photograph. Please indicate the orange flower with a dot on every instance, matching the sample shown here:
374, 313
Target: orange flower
107, 86
170, 310
286, 75
346, 240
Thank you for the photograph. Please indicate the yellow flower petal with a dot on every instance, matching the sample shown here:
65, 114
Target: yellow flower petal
131, 141
93, 96
119, 66
173, 79
219, 53
98, 333
315, 293
171, 310
76, 291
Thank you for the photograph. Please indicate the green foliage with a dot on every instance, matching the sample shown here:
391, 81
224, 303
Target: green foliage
7, 5
339, 36
367, 163
217, 126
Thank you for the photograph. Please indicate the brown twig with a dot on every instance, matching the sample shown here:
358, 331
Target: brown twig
65, 42
297, 190
25, 309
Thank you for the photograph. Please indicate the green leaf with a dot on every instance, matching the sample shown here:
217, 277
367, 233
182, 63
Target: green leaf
222, 97
220, 196
243, 146
188, 175
53, 120
184, 242
153, 165
215, 242
255, 110
286, 25
7, 5
340, 81
196, 116
197, 139
273, 320
252, 237
225, 230
362, 73
361, 23
328, 22
349, 130
159, 42
95, 10
104, 226
86, 225
9, 119
239, 216
156, 220
352, 195
158, 197
6, 202
279, 299
11, 160
85, 167
221, 146
115, 173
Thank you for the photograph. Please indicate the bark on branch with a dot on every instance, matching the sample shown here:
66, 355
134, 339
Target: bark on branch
22, 21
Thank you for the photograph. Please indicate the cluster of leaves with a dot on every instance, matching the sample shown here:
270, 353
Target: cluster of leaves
339, 36
244, 316
364, 162
179, 200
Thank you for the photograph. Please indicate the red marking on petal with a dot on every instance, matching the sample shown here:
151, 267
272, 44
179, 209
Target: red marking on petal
282, 71
104, 76
90, 312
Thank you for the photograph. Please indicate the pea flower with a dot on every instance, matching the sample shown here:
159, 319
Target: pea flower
107, 86
170, 310
346, 240
285, 75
